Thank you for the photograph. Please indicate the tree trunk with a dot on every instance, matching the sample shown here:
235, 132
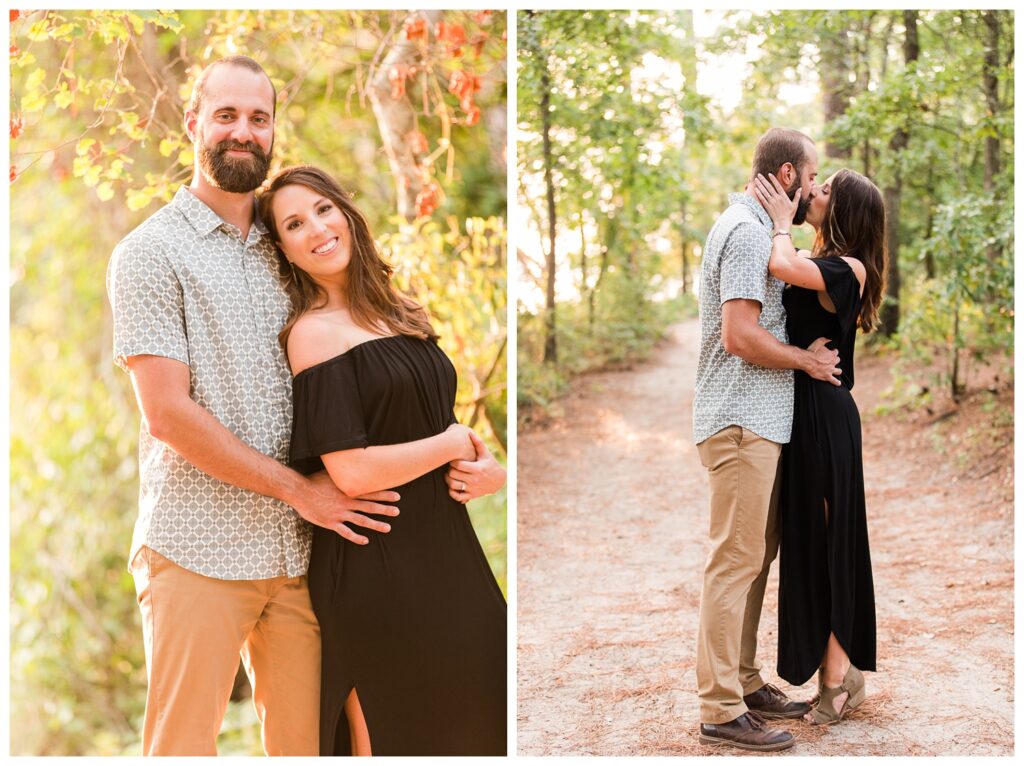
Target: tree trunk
834, 70
890, 314
396, 117
990, 75
550, 340
684, 247
688, 62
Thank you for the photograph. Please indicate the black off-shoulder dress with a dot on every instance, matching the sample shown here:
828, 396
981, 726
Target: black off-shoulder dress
414, 620
825, 582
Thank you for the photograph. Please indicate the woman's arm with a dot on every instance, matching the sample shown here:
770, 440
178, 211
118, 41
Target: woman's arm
785, 263
369, 469
312, 341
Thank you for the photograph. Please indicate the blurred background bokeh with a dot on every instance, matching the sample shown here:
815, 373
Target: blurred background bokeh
97, 145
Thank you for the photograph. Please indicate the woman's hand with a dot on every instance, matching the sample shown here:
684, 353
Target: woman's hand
773, 198
479, 476
462, 444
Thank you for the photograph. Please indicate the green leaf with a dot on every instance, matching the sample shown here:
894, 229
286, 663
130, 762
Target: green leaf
63, 97
35, 79
136, 199
33, 102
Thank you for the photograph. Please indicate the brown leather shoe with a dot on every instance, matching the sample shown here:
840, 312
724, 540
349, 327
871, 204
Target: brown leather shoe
747, 732
769, 702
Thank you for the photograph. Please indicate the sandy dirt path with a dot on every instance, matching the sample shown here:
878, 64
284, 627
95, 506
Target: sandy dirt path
612, 527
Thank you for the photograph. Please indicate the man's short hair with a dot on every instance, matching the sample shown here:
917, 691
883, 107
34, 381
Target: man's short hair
779, 146
199, 89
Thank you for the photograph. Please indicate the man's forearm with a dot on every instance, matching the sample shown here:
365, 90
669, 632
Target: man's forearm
201, 439
758, 346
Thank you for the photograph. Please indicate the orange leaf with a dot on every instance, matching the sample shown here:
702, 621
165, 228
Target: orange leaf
428, 200
16, 125
456, 35
14, 17
415, 28
473, 116
14, 172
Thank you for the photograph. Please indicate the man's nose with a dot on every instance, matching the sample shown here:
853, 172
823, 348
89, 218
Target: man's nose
242, 132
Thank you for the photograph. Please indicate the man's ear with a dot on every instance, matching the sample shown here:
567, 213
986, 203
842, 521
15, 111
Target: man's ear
190, 124
787, 174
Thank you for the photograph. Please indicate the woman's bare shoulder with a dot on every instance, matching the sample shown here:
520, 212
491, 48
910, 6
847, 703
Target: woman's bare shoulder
858, 270
314, 338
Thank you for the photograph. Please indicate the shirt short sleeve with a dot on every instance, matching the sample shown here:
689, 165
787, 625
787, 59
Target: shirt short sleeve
328, 413
744, 264
148, 303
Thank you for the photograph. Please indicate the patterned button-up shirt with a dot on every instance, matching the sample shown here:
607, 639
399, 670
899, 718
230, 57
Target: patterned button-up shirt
731, 391
185, 285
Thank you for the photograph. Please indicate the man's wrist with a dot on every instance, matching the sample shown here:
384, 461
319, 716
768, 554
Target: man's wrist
291, 487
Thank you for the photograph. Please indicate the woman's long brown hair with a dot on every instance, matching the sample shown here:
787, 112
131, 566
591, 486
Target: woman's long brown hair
854, 227
372, 300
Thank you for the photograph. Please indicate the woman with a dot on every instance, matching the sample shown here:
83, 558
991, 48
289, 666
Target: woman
413, 624
826, 595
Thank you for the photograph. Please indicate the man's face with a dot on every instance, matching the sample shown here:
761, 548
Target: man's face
233, 133
804, 182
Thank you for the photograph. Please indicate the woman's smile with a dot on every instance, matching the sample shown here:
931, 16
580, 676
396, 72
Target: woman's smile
327, 247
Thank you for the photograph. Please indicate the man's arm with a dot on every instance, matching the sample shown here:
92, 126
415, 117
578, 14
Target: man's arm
162, 390
744, 337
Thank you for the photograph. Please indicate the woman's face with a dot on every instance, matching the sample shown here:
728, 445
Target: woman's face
819, 203
314, 232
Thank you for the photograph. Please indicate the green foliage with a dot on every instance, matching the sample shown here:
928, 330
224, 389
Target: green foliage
625, 121
955, 215
97, 141
966, 314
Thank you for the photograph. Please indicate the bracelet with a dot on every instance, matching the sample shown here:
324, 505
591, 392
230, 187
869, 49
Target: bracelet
781, 233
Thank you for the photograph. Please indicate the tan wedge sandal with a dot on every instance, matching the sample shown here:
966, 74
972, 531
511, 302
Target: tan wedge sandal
853, 685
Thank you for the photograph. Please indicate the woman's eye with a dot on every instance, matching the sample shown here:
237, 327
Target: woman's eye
323, 209
292, 225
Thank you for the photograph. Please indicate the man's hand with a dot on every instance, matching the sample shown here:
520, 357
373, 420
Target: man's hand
470, 479
320, 502
823, 363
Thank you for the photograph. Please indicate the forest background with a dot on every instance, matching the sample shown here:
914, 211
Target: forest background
407, 109
635, 125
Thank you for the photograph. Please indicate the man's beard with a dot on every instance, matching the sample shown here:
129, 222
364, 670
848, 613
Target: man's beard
237, 175
801, 207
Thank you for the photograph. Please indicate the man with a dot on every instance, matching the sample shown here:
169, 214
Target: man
742, 415
219, 557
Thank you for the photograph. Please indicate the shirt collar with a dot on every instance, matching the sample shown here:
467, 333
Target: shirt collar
753, 205
204, 220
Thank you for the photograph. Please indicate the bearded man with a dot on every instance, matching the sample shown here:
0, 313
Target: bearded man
742, 415
221, 545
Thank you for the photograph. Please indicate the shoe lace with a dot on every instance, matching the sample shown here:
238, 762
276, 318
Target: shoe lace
756, 720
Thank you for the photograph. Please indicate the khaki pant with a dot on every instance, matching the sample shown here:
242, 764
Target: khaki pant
743, 477
194, 628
